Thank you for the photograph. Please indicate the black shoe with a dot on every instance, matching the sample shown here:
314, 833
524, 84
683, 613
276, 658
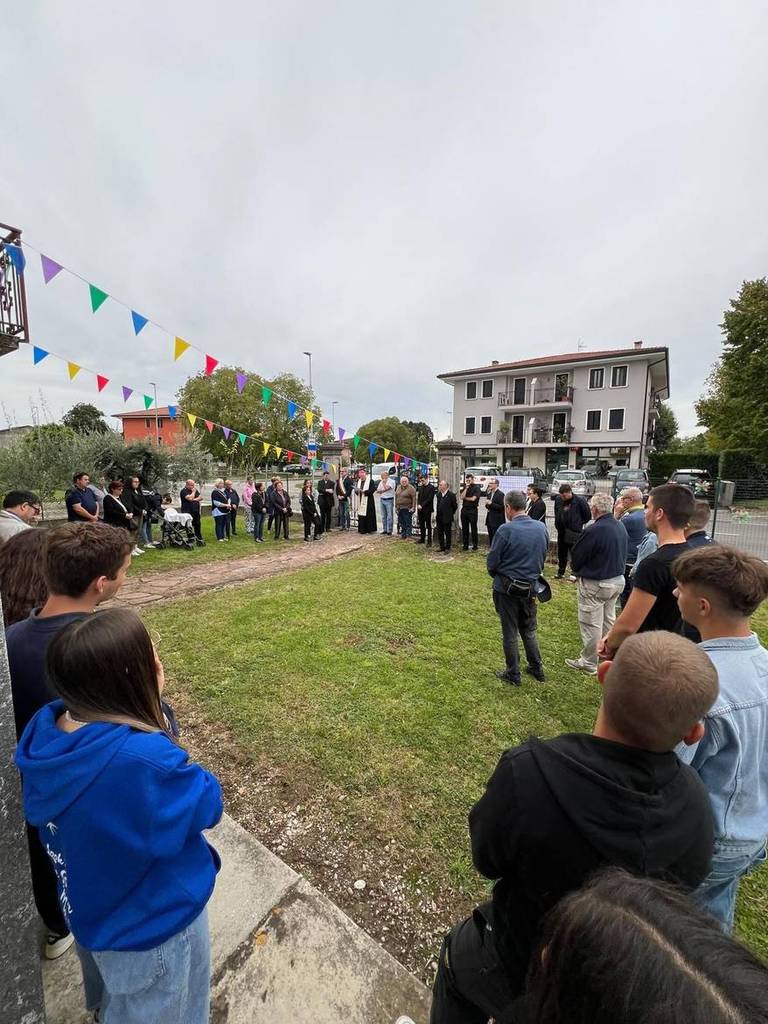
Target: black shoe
537, 673
502, 674
559, 575
475, 548
419, 541
464, 549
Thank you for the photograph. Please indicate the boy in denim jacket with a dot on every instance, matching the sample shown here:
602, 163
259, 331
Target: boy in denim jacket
718, 589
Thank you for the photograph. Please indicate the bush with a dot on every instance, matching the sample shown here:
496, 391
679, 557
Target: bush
740, 464
664, 464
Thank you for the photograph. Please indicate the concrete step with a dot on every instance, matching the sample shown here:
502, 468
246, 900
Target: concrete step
281, 951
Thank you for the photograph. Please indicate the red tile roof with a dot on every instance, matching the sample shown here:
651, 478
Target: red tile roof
568, 357
161, 411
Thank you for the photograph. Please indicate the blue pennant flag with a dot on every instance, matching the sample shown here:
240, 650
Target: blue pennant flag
17, 257
172, 411
292, 410
38, 354
372, 449
139, 321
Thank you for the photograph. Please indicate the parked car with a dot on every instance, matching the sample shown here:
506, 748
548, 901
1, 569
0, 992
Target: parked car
537, 475
631, 478
699, 481
482, 474
296, 469
581, 482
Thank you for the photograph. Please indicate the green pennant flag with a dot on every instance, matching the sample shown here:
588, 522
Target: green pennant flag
242, 438
314, 463
266, 394
356, 441
97, 297
147, 401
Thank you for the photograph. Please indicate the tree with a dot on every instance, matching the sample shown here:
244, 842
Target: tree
423, 439
85, 418
217, 398
735, 407
665, 432
392, 433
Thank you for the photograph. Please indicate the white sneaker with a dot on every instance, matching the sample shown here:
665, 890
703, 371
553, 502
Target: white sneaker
137, 551
580, 666
405, 1020
57, 945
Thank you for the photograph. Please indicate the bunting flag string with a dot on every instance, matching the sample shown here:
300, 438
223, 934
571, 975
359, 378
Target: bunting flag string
101, 382
52, 268
127, 392
147, 401
73, 369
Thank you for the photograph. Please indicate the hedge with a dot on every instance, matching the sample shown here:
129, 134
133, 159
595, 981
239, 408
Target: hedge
664, 464
740, 464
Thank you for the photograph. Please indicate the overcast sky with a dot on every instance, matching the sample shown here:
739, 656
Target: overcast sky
403, 188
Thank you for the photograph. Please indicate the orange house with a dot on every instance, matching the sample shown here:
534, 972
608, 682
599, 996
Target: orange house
140, 426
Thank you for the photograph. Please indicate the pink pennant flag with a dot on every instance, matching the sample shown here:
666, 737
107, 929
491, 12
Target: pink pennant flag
209, 424
127, 392
50, 268
242, 380
210, 365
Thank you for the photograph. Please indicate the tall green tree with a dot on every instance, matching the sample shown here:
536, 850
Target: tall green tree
665, 432
217, 398
392, 433
423, 439
735, 407
85, 418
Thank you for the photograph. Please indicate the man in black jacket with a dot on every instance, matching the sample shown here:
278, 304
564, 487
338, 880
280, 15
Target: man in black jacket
325, 489
425, 505
536, 509
555, 811
470, 499
135, 502
571, 513
446, 510
598, 559
494, 502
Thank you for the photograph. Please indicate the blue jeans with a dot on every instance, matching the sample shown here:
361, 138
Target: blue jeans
170, 984
730, 860
220, 526
344, 515
387, 516
405, 517
258, 525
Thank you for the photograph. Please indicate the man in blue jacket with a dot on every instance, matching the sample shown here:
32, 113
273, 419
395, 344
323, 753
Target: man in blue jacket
516, 560
598, 560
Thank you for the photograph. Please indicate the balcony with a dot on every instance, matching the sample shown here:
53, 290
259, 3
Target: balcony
537, 396
535, 435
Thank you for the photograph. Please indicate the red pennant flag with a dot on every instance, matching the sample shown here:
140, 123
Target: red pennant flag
326, 426
289, 456
210, 365
101, 382
396, 457
210, 426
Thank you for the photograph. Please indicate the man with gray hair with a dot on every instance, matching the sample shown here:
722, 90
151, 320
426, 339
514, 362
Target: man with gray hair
516, 560
598, 559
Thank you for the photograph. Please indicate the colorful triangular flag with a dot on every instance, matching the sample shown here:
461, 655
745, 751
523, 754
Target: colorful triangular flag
179, 347
372, 449
333, 466
342, 432
266, 394
289, 456
210, 365
139, 321
226, 432
309, 416
192, 419
101, 382
314, 463
50, 268
266, 447
127, 392
292, 410
396, 457
241, 380
73, 369
98, 297
172, 411
326, 426
38, 354
386, 454
210, 425
17, 257
241, 438
147, 401
356, 441
278, 452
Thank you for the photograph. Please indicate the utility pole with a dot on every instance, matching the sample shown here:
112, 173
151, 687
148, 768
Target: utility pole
309, 356
450, 422
333, 417
157, 422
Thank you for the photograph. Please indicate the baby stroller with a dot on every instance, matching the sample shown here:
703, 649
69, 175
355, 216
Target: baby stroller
177, 533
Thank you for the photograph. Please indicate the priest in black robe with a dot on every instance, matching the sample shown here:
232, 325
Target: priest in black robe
365, 488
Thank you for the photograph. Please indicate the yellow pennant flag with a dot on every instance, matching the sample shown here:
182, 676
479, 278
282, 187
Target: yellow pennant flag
266, 447
333, 466
180, 347
386, 454
74, 369
309, 417
192, 419
278, 452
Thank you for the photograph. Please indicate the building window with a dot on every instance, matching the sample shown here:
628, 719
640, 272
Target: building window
596, 378
619, 376
159, 422
487, 389
518, 429
147, 422
615, 419
485, 424
518, 391
594, 416
469, 425
470, 389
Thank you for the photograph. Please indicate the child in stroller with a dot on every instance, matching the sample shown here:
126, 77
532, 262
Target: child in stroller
176, 531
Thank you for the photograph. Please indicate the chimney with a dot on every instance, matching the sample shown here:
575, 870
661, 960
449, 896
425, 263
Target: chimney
638, 344
494, 362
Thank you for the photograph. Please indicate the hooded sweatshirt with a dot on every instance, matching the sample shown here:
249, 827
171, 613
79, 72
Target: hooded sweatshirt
120, 813
555, 811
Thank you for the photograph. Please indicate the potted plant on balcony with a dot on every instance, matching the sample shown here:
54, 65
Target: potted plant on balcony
503, 432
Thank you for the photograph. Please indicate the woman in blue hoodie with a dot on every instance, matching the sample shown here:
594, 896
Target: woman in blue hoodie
121, 809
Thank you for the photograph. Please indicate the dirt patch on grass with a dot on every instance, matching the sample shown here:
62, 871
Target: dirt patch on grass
398, 904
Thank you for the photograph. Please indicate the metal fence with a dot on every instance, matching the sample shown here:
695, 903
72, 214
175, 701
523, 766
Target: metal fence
740, 515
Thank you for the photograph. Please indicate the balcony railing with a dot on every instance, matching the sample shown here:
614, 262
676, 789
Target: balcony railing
535, 435
536, 396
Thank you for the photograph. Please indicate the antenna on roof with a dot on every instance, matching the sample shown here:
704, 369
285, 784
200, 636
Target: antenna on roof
580, 345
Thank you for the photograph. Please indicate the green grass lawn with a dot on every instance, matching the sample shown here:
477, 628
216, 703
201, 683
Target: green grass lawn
375, 675
160, 560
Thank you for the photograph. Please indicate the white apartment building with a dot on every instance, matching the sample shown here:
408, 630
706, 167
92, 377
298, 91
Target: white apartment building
582, 408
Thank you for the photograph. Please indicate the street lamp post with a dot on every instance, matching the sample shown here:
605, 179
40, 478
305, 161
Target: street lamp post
309, 357
450, 427
333, 417
157, 423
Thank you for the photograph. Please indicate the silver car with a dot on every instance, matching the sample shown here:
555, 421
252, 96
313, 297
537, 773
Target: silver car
580, 482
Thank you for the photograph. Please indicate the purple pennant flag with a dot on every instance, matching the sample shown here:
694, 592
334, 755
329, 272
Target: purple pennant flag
50, 268
303, 460
226, 431
242, 380
127, 392
342, 432
407, 463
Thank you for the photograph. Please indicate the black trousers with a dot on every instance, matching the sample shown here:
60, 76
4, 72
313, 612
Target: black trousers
468, 525
563, 554
444, 531
471, 984
44, 885
309, 523
196, 526
425, 526
281, 523
233, 520
518, 619
326, 507
492, 528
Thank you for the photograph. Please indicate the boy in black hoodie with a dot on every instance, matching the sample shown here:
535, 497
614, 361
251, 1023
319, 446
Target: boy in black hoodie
555, 811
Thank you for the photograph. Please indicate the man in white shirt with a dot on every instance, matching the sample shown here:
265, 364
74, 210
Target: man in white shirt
20, 511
